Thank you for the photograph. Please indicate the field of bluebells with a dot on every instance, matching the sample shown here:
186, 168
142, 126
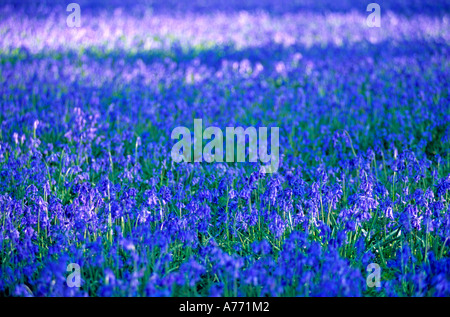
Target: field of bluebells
86, 174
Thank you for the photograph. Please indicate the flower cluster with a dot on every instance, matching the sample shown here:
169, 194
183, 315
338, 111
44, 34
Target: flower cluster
86, 175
